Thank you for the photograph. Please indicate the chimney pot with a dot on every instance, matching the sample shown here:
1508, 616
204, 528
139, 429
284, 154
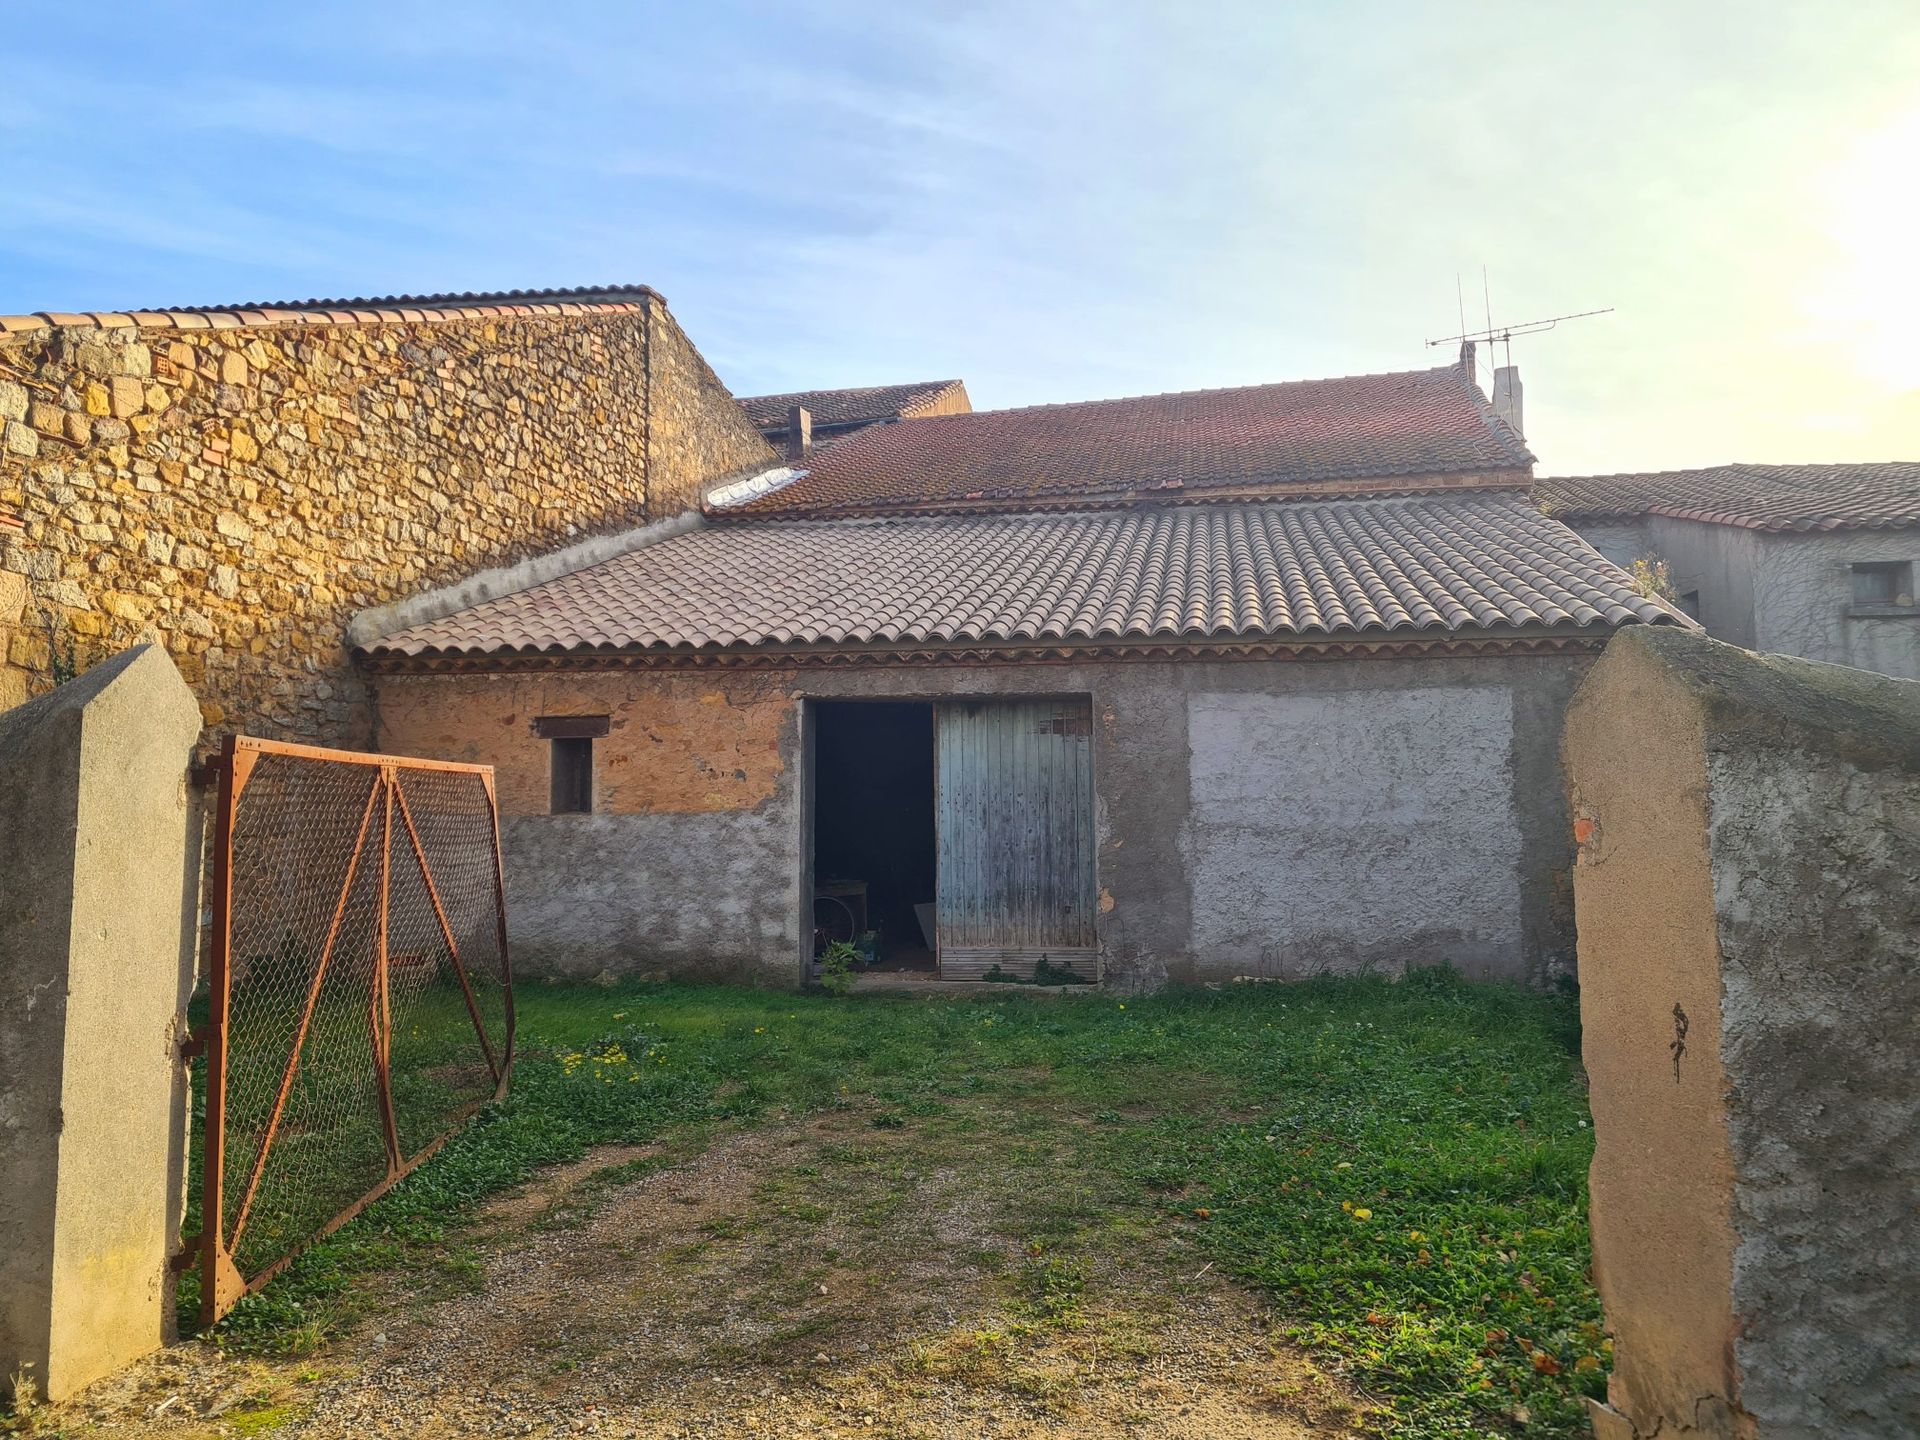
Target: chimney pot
799, 433
1506, 397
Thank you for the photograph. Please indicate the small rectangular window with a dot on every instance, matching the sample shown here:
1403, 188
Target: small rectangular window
1883, 582
572, 776
571, 738
1690, 604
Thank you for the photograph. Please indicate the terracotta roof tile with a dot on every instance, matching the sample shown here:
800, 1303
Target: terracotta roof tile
865, 405
1340, 433
1758, 497
1314, 568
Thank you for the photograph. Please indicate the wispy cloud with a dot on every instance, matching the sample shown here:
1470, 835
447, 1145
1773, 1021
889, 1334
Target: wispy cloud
1054, 201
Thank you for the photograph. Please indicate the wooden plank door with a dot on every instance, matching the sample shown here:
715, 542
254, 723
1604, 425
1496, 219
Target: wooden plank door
1014, 832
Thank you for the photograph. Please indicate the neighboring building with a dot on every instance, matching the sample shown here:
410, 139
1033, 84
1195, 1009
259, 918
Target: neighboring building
1810, 560
836, 414
240, 482
1259, 682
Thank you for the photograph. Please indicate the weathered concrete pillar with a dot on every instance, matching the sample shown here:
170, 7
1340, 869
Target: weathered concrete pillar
1748, 900
98, 884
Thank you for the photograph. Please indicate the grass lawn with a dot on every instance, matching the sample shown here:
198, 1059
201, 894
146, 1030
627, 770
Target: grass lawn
1400, 1168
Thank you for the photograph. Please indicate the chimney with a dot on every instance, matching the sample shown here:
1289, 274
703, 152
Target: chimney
1506, 397
799, 434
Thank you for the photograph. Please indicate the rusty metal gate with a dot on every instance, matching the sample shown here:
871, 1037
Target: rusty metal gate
361, 999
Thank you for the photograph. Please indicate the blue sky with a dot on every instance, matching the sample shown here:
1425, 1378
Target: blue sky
1054, 201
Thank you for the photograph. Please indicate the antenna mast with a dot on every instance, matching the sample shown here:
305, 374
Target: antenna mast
1503, 334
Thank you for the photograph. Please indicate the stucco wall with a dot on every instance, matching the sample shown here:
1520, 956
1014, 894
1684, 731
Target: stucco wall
1217, 789
1786, 593
1722, 563
241, 492
1803, 601
1621, 541
1750, 974
1355, 829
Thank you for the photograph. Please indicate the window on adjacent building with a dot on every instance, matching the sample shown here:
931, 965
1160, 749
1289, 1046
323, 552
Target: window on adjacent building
571, 739
1690, 604
1883, 582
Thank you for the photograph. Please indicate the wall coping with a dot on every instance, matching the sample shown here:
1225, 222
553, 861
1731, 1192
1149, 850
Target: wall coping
381, 310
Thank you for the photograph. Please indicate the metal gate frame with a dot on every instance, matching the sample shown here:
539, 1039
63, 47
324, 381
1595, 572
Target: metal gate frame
221, 1283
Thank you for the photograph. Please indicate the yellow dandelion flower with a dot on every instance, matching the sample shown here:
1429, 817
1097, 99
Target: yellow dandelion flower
1363, 1213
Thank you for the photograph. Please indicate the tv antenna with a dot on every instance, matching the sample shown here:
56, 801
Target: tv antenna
1502, 334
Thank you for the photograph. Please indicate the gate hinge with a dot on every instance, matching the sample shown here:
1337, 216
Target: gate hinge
187, 1258
194, 1045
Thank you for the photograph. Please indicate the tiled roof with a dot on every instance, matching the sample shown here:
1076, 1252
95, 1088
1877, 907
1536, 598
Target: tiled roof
1758, 497
1336, 434
1439, 564
467, 305
862, 406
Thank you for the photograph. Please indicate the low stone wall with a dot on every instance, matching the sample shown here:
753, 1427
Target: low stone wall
240, 490
1750, 981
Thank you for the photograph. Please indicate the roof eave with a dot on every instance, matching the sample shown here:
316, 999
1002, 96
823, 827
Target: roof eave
1396, 643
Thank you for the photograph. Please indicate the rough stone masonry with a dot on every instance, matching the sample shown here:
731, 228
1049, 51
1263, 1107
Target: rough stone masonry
240, 488
1748, 900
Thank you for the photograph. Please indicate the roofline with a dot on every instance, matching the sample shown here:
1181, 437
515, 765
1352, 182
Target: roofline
1725, 465
1274, 492
379, 310
931, 390
1700, 516
1399, 643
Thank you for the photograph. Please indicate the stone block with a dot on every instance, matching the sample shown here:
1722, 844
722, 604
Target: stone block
100, 864
13, 401
20, 439
1749, 837
125, 396
13, 597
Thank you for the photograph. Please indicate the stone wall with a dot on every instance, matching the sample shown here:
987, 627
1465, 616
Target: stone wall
1431, 828
239, 491
1749, 957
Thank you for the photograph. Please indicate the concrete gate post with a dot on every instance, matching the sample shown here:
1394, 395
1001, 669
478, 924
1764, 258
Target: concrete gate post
98, 898
1747, 891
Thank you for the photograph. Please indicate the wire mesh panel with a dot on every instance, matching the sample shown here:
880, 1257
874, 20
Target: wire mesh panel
362, 998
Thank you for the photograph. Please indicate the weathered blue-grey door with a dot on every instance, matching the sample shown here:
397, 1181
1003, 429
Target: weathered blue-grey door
1015, 836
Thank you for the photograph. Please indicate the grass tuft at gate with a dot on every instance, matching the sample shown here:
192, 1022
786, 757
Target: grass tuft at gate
1401, 1167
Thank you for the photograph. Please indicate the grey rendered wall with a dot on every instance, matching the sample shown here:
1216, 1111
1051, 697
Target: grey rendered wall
715, 896
1721, 562
1803, 601
1816, 861
1355, 830
1621, 541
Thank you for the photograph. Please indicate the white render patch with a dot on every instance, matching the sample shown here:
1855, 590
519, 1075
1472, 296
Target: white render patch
739, 492
1355, 831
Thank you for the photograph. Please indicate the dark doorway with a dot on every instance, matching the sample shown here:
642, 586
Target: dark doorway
873, 846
